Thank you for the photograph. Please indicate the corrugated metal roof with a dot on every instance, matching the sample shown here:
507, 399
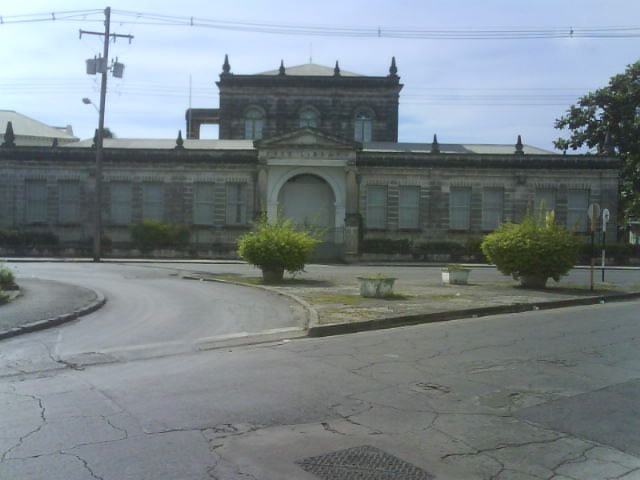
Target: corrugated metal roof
168, 144
487, 149
311, 70
24, 126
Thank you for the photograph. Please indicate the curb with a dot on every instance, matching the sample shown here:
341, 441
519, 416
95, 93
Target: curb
58, 320
312, 313
315, 330
421, 318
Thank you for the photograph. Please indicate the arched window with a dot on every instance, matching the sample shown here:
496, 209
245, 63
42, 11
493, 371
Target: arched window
309, 118
253, 124
363, 126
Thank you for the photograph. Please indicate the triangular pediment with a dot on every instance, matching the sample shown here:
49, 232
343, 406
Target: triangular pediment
308, 137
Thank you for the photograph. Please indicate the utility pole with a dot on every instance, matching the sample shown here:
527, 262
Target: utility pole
102, 66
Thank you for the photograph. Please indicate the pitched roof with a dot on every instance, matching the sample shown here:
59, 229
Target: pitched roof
167, 144
24, 126
486, 148
310, 70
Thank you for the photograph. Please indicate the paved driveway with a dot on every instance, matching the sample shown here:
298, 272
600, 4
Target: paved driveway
149, 312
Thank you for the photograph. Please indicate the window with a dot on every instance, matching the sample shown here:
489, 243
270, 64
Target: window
492, 208
203, 195
460, 208
69, 202
376, 207
409, 208
236, 204
253, 124
363, 126
121, 202
309, 118
577, 205
152, 201
545, 200
36, 201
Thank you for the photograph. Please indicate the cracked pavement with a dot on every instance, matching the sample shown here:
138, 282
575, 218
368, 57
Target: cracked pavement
541, 395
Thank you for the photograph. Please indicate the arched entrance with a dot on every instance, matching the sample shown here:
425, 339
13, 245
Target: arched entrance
308, 200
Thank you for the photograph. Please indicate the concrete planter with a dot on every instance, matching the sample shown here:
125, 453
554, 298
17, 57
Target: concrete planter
455, 277
272, 275
376, 287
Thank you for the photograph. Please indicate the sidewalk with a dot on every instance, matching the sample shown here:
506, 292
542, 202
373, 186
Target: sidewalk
44, 303
332, 293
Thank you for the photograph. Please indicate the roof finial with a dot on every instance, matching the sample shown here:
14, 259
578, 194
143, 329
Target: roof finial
95, 139
519, 147
226, 68
607, 148
336, 70
282, 70
435, 146
9, 136
393, 70
179, 141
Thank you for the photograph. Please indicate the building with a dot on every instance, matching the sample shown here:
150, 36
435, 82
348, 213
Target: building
30, 132
315, 143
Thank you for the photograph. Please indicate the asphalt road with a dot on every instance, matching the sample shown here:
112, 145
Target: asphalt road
539, 395
149, 312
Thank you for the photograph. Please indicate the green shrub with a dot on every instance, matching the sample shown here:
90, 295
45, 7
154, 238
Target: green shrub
387, 245
536, 247
7, 280
24, 239
620, 252
454, 249
277, 246
150, 235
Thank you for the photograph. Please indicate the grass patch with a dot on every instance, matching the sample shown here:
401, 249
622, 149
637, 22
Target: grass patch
444, 296
397, 296
335, 298
597, 286
240, 279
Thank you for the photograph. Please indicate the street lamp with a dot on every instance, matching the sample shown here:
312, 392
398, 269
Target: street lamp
87, 101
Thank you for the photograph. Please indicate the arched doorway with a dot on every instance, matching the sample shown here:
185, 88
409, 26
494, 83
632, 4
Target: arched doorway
308, 200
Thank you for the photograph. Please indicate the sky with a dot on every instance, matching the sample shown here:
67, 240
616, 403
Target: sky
463, 90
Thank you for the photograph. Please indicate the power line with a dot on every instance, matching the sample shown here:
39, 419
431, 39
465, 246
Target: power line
481, 33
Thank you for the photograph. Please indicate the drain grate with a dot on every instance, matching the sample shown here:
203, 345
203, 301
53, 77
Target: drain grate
362, 463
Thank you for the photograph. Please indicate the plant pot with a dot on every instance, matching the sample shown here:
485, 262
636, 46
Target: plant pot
272, 275
376, 287
533, 281
455, 277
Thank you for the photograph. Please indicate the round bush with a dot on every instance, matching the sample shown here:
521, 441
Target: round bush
7, 280
536, 248
277, 246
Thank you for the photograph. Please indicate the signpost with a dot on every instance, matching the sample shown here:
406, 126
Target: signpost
594, 213
605, 219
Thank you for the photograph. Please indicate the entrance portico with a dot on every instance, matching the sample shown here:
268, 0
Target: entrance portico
308, 176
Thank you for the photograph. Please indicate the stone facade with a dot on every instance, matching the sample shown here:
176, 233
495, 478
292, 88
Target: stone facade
316, 174
283, 98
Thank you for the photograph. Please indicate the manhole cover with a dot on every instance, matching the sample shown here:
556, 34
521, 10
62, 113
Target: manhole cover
362, 463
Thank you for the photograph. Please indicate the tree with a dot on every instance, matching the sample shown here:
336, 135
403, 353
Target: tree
609, 120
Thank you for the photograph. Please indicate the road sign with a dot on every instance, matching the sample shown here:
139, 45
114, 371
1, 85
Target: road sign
605, 219
593, 211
